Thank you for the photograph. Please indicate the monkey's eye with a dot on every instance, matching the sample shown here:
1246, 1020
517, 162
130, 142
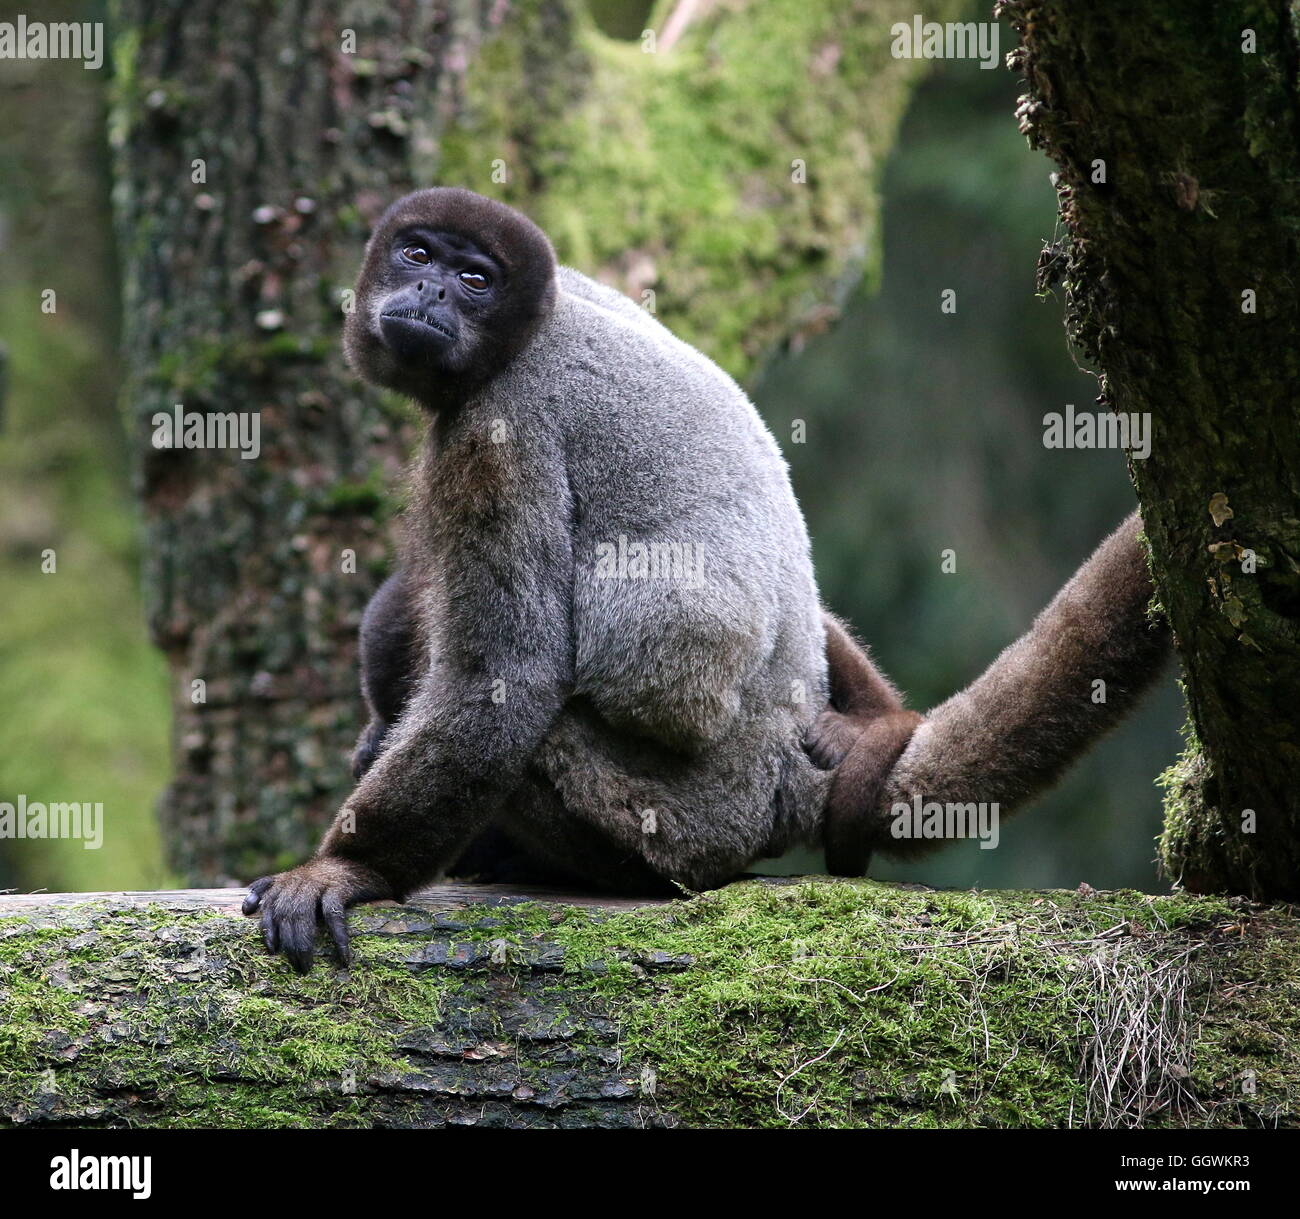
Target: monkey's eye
417, 253
475, 281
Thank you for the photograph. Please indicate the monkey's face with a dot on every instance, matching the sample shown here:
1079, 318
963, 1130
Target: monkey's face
453, 286
444, 292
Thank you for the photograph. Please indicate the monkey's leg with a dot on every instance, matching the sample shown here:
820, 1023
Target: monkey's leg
390, 665
578, 850
500, 855
1043, 701
860, 693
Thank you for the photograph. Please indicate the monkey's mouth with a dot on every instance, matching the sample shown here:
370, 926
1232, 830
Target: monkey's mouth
410, 314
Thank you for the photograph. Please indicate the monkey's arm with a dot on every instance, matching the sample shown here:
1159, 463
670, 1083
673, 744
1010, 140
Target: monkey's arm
1016, 728
392, 657
455, 757
503, 672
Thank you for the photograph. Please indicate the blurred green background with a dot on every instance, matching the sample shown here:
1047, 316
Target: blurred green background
83, 699
922, 434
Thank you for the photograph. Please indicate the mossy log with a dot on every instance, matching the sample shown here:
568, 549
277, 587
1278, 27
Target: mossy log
799, 1002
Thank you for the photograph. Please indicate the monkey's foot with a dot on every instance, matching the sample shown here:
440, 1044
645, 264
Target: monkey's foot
292, 903
830, 738
854, 818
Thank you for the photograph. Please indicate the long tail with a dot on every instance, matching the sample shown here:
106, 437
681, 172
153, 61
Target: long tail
1051, 694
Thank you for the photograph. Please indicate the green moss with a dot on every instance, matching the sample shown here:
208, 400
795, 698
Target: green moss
856, 1003
234, 1035
35, 1013
368, 495
1248, 1051
197, 368
293, 347
126, 50
814, 1003
1193, 834
732, 245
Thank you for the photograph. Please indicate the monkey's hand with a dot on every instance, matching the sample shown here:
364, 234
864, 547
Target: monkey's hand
831, 737
320, 890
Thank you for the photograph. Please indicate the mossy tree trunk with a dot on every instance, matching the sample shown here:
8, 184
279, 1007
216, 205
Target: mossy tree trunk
729, 179
1175, 128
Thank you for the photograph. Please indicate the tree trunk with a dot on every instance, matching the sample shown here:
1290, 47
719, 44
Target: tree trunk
1175, 129
813, 1003
728, 180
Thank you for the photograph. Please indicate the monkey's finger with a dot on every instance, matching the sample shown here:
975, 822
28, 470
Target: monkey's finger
270, 930
255, 891
298, 933
332, 911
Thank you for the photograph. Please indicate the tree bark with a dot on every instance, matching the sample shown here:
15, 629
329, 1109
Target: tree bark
773, 1004
730, 182
1175, 129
